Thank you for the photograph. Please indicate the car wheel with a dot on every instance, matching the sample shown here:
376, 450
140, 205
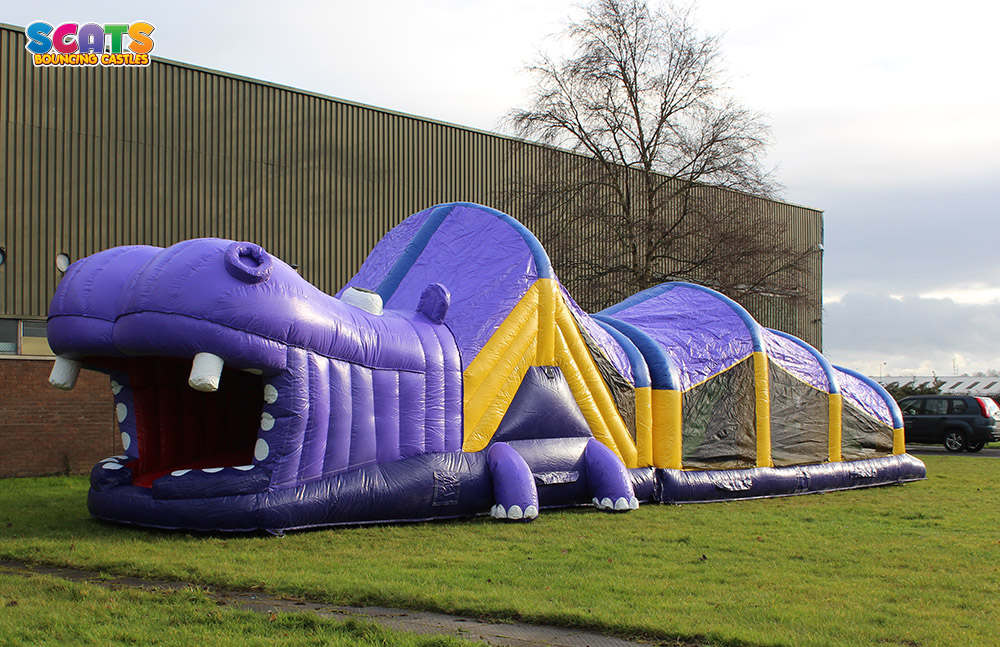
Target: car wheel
954, 440
975, 447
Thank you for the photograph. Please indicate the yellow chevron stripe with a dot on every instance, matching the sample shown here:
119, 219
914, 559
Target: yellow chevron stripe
582, 395
506, 356
548, 289
541, 331
491, 412
501, 342
606, 410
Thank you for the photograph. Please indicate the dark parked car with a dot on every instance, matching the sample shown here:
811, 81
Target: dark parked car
958, 421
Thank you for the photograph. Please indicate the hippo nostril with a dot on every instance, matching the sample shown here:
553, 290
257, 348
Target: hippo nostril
248, 262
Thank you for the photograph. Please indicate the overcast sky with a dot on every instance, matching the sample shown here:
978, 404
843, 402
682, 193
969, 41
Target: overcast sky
884, 116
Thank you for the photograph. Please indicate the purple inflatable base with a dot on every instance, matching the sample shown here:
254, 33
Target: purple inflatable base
462, 487
422, 488
678, 486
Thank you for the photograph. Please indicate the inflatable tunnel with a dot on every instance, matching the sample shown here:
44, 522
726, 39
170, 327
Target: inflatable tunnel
452, 376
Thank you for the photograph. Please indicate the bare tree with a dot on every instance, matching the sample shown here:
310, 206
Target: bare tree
668, 179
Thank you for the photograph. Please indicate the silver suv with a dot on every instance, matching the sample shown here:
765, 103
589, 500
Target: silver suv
960, 422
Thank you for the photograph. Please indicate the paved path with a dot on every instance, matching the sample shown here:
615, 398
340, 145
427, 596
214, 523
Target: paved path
519, 635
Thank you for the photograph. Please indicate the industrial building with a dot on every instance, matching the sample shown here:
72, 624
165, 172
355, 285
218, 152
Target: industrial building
94, 157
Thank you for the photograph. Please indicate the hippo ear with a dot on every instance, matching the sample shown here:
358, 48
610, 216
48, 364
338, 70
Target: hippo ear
434, 302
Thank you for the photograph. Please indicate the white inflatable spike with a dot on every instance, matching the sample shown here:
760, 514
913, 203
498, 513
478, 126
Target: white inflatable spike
64, 373
206, 371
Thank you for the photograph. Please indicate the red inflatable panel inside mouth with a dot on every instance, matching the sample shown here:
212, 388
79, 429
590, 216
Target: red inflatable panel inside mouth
178, 427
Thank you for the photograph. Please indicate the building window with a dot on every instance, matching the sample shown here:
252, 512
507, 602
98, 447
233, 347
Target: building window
33, 338
19, 337
8, 336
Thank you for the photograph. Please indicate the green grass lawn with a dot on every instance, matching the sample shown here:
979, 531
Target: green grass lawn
41, 610
912, 565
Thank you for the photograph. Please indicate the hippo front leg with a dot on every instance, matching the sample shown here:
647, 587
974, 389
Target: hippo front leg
513, 484
610, 484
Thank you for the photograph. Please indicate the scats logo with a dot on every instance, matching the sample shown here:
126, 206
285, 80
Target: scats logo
89, 44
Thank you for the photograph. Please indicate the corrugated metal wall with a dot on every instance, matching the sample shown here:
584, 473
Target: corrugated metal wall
92, 158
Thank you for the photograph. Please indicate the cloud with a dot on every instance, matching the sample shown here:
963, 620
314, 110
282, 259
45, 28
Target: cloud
911, 335
446, 60
910, 240
883, 117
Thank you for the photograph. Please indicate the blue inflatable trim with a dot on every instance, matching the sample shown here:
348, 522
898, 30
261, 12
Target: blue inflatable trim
897, 415
542, 263
662, 374
412, 251
640, 372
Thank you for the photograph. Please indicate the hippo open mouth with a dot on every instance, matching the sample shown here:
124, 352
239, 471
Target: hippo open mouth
190, 388
178, 426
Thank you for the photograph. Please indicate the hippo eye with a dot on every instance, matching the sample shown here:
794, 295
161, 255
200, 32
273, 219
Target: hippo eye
248, 262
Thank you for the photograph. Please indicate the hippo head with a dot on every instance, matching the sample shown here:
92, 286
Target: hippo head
222, 361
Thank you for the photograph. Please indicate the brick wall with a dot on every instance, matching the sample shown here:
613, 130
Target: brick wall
44, 430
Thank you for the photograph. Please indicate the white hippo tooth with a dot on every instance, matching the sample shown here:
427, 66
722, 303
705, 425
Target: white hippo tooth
633, 504
530, 512
64, 373
514, 512
206, 371
621, 504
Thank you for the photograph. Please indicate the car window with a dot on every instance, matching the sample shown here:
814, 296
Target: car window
935, 406
910, 407
958, 406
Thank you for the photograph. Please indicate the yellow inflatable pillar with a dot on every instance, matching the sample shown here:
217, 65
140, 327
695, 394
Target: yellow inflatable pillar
763, 390
836, 427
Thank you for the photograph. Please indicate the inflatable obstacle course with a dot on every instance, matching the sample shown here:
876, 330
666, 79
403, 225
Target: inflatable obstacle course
452, 376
